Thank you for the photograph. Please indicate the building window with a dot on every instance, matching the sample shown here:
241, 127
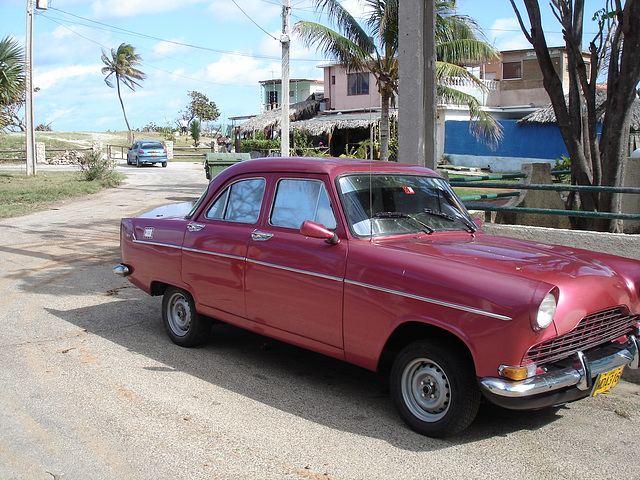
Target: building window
358, 84
272, 98
511, 70
333, 79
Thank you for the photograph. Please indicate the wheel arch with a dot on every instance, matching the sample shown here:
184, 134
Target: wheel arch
158, 287
412, 331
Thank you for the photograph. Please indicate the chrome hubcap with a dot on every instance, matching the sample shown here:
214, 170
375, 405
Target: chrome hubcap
426, 389
179, 314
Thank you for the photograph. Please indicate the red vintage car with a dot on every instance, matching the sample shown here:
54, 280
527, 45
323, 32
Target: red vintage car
380, 265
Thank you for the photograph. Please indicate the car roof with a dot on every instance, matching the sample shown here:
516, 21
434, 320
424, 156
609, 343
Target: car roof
322, 165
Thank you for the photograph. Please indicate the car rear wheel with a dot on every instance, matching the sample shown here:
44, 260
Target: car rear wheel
434, 388
138, 163
183, 324
164, 164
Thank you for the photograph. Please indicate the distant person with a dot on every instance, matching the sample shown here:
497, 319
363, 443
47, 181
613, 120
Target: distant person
185, 124
228, 143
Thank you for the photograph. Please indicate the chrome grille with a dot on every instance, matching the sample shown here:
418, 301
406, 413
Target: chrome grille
593, 330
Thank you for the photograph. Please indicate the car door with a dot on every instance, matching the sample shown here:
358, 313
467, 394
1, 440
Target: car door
215, 247
295, 283
131, 155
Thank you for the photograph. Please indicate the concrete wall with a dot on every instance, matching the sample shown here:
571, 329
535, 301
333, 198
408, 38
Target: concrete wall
612, 243
631, 202
540, 142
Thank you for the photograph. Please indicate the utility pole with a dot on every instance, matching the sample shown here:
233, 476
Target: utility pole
285, 40
417, 95
30, 137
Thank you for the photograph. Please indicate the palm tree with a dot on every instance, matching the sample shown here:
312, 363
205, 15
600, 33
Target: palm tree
121, 64
459, 43
12, 77
375, 48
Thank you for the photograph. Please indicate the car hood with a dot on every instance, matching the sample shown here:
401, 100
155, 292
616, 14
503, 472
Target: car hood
587, 282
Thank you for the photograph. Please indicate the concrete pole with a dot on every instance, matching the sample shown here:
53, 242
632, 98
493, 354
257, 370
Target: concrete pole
417, 85
30, 135
285, 40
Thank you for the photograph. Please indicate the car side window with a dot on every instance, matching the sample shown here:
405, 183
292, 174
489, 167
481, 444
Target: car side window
239, 202
298, 200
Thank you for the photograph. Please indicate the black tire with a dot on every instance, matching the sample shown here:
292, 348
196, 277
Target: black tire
434, 388
138, 164
164, 164
183, 324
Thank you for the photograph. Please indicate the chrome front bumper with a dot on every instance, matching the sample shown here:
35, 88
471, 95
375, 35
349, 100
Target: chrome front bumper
563, 382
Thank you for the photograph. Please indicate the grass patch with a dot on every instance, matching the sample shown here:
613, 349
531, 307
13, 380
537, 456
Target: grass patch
20, 195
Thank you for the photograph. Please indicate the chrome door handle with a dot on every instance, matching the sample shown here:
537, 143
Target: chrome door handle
261, 236
195, 227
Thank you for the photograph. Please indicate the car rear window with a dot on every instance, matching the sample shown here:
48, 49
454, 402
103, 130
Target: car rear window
151, 145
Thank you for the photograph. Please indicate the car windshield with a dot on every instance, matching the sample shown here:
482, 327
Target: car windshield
151, 145
381, 204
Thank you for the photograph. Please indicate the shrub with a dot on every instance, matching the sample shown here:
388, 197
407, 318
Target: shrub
94, 165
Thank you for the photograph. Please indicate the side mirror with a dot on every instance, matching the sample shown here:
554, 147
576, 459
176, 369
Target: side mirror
316, 230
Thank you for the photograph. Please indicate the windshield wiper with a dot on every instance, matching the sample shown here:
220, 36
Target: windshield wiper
403, 216
430, 211
471, 227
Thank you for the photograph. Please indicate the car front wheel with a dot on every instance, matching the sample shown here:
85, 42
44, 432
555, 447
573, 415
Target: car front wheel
182, 323
434, 388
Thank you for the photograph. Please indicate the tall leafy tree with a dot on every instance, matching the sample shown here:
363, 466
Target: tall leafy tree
201, 107
614, 47
121, 64
12, 80
373, 47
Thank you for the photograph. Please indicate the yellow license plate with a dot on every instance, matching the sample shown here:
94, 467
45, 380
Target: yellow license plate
607, 381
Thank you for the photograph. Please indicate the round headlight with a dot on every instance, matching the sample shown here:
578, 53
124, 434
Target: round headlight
546, 311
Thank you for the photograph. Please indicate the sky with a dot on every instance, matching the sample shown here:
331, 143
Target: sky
221, 48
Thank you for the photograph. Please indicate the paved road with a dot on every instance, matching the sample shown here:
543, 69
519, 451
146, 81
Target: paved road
91, 388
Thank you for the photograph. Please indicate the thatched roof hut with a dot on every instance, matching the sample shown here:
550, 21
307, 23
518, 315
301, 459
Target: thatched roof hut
327, 123
547, 115
272, 118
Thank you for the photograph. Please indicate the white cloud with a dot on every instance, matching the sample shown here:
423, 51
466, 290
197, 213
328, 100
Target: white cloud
241, 70
49, 78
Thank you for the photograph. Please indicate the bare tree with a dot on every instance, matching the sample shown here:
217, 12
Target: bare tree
615, 47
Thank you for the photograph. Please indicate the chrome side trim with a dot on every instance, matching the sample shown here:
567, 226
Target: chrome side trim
565, 378
295, 270
214, 254
157, 244
431, 300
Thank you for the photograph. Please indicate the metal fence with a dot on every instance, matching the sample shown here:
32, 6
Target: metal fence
480, 182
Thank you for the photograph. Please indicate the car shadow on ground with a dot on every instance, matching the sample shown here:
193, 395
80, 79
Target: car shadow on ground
309, 385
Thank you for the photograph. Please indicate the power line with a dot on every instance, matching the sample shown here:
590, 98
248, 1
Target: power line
182, 44
252, 20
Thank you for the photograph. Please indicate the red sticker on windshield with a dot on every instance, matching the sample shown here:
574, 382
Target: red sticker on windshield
408, 190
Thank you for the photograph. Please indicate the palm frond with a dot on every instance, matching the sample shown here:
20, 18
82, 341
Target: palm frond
483, 126
465, 51
333, 44
346, 23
